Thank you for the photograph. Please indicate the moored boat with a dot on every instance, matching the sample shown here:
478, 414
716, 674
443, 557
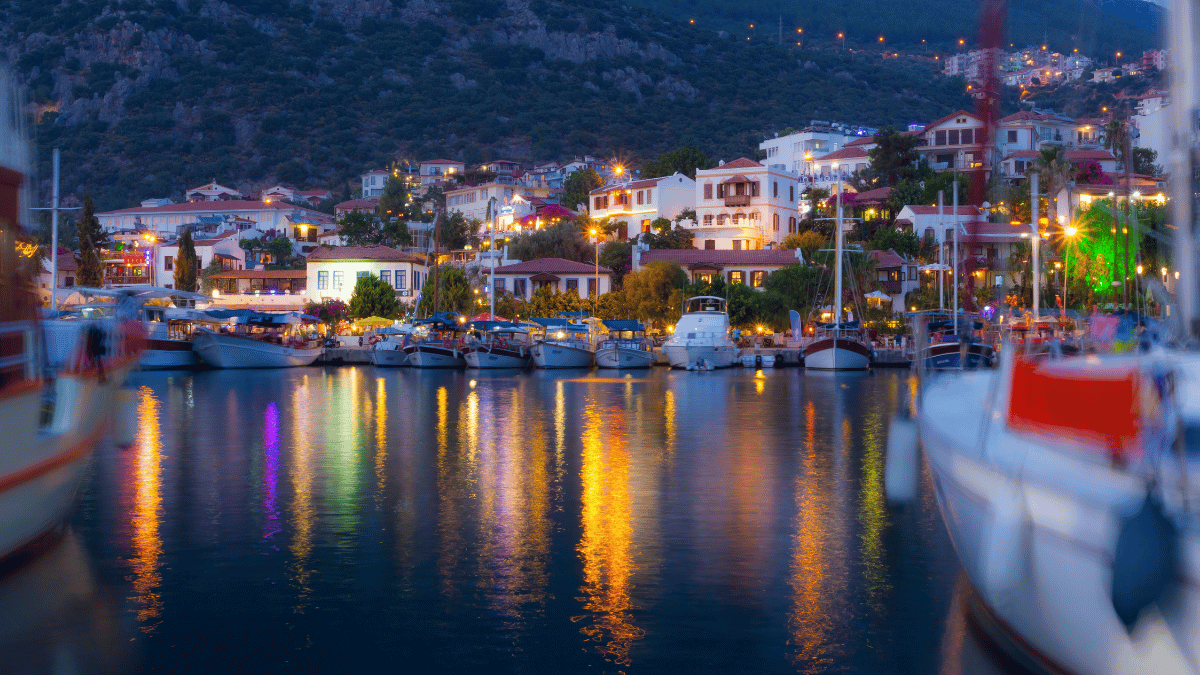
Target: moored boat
701, 337
437, 343
947, 345
625, 347
503, 345
838, 345
566, 345
261, 341
389, 350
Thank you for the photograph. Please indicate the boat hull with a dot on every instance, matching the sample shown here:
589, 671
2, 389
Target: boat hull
229, 351
691, 356
1035, 525
623, 357
170, 354
948, 356
841, 354
425, 356
496, 358
553, 355
389, 358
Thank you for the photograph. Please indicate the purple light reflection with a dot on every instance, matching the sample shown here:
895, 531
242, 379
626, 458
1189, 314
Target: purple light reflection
270, 470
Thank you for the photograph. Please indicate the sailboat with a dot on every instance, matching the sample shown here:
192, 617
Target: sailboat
838, 345
1067, 484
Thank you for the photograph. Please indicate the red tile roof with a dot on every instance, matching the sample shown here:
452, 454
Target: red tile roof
739, 163
356, 204
876, 195
261, 274
220, 206
888, 259
635, 185
922, 210
865, 140
372, 252
953, 114
844, 153
1032, 116
548, 266
997, 233
776, 256
1100, 155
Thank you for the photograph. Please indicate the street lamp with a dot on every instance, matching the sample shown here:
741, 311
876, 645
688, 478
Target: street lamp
1068, 232
596, 297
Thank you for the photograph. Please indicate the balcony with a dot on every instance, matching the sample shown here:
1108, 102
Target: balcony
893, 287
737, 200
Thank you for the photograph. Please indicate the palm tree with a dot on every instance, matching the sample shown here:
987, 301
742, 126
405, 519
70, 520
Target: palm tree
1114, 139
1057, 173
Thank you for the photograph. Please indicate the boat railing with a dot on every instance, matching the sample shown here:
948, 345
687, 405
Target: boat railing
23, 364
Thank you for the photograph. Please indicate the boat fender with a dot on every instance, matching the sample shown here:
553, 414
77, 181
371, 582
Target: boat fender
1004, 550
903, 455
1144, 560
125, 417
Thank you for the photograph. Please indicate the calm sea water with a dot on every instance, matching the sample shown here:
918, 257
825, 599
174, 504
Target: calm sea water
358, 520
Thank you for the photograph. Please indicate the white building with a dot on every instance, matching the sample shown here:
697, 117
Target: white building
928, 221
472, 201
523, 278
437, 172
744, 205
278, 193
1153, 123
736, 267
897, 276
957, 141
639, 203
333, 271
225, 249
169, 219
796, 150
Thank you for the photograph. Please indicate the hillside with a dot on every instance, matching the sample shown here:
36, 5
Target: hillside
1098, 28
149, 97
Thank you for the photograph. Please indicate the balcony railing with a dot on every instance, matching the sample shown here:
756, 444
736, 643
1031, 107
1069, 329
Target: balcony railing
893, 287
737, 200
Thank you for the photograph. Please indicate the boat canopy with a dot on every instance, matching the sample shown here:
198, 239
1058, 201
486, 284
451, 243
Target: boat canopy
704, 303
548, 322
845, 325
621, 325
493, 325
442, 320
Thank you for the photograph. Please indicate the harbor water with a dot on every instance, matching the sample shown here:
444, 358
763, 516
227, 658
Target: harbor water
353, 519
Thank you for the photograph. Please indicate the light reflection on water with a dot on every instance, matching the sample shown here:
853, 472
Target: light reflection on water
654, 522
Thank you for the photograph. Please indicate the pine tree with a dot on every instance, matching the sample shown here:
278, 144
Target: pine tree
185, 264
92, 239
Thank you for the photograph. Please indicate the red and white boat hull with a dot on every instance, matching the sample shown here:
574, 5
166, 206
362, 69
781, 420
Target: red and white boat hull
839, 354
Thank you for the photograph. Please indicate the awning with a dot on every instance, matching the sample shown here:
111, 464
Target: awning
543, 276
622, 325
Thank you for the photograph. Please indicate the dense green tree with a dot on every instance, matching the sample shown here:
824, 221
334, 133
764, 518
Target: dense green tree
372, 296
655, 292
251, 246
809, 242
894, 156
92, 240
454, 231
280, 249
685, 160
394, 202
446, 290
618, 257
577, 187
185, 262
1143, 162
904, 242
359, 228
666, 235
207, 282
562, 240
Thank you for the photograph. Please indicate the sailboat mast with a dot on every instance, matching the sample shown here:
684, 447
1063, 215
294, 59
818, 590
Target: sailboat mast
837, 266
941, 273
954, 222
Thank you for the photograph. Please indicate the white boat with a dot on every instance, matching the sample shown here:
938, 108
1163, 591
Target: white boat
437, 343
259, 341
50, 425
389, 352
626, 346
502, 346
701, 337
566, 345
838, 345
758, 360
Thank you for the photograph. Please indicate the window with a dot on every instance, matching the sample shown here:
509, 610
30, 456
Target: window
519, 288
639, 197
754, 188
710, 244
338, 278
775, 222
720, 191
999, 280
169, 263
592, 287
650, 196
360, 274
1012, 135
737, 246
498, 286
757, 279
737, 276
416, 280
791, 193
573, 285
400, 279
385, 276
646, 225
939, 137
952, 137
792, 224
708, 220
708, 190
775, 188
322, 281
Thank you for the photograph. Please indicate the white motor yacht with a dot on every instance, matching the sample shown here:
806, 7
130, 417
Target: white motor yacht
437, 342
701, 338
389, 350
625, 347
566, 345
